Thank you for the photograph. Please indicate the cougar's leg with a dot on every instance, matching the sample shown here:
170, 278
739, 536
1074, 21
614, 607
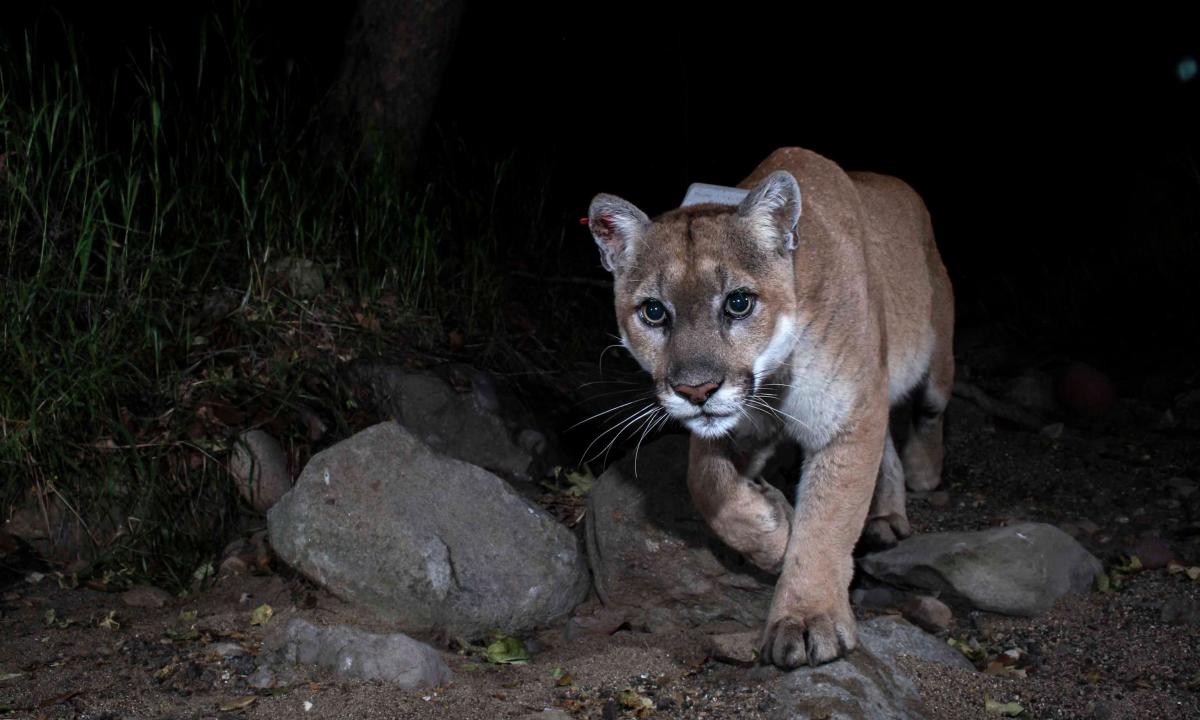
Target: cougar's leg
887, 520
749, 515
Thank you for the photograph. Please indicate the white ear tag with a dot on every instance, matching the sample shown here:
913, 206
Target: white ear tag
700, 193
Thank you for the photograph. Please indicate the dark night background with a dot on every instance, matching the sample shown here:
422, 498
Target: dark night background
1057, 156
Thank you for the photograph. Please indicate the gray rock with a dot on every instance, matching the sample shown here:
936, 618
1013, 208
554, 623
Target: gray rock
1016, 570
303, 277
350, 652
649, 548
868, 684
427, 541
472, 423
260, 466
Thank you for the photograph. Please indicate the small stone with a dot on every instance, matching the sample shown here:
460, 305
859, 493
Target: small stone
260, 466
927, 613
234, 565
939, 498
1180, 611
302, 276
228, 649
532, 441
145, 596
1181, 488
1053, 431
262, 679
739, 647
1153, 552
605, 621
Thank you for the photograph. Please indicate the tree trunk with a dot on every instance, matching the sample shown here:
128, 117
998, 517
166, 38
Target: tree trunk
395, 55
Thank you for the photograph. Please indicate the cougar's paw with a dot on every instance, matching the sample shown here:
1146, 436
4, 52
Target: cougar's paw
884, 532
792, 640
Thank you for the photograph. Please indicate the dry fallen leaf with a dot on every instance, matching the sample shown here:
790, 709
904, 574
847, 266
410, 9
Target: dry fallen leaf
261, 615
237, 704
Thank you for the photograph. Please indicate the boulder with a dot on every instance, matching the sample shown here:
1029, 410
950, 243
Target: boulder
649, 548
462, 415
1015, 570
427, 541
868, 684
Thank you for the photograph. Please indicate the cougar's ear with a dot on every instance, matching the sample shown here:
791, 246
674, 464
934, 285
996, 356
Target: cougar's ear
773, 208
617, 226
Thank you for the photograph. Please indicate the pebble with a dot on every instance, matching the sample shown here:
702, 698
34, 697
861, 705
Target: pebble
939, 499
145, 596
1153, 552
927, 613
228, 649
262, 679
1180, 611
1181, 488
739, 647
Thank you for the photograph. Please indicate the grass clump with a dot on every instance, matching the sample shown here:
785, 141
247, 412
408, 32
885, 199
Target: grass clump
144, 318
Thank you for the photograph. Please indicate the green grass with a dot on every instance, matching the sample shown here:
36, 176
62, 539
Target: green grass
123, 211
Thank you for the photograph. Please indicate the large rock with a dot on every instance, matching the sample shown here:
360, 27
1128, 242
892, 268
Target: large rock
868, 684
350, 652
427, 541
463, 415
1016, 570
649, 548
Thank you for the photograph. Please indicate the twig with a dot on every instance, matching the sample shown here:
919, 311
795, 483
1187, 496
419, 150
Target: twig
999, 408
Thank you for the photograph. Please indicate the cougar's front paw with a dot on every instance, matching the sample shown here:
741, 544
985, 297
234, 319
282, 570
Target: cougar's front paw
795, 638
757, 522
882, 533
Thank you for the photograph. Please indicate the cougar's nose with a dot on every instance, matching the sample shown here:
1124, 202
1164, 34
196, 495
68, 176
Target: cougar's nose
696, 394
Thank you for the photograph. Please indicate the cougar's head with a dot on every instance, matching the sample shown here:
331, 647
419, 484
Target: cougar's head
705, 296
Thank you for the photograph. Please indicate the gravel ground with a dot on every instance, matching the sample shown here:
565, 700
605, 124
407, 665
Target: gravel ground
1133, 652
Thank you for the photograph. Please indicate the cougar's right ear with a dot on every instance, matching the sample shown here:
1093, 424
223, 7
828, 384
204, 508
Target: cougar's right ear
617, 226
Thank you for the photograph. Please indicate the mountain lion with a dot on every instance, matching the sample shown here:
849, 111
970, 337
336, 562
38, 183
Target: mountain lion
805, 312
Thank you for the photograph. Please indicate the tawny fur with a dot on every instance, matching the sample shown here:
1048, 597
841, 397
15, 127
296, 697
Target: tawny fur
852, 315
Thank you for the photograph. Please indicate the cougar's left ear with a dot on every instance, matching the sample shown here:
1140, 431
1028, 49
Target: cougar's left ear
773, 208
617, 226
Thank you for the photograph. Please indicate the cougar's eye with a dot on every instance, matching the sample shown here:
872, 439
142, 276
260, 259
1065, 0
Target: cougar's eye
739, 303
654, 312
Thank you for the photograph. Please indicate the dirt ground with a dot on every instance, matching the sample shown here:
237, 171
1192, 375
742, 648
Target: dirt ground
1130, 652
